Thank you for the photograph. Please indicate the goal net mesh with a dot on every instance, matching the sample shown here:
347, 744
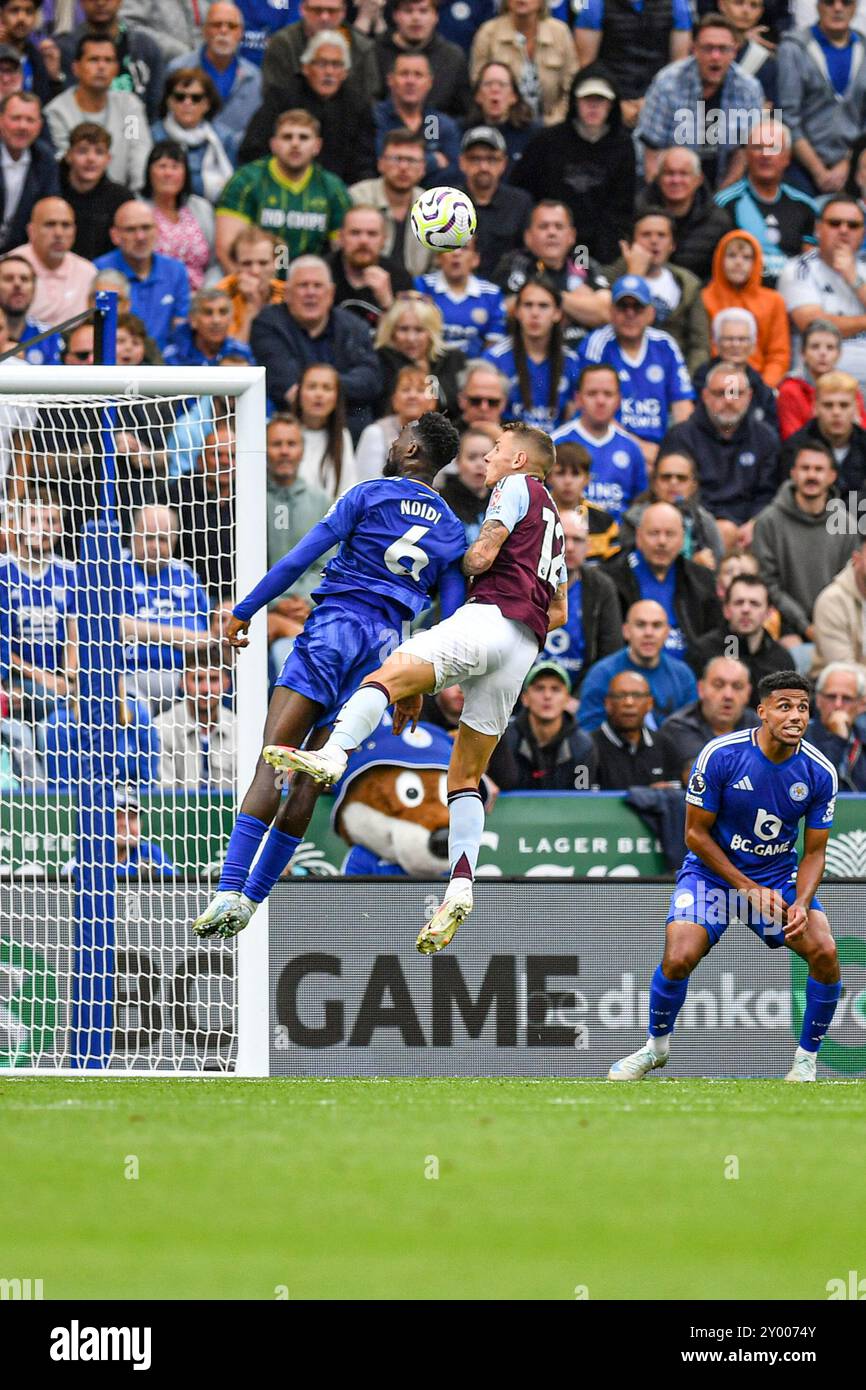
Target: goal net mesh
118, 730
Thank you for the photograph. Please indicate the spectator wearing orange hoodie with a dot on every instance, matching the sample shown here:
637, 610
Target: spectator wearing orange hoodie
738, 265
821, 347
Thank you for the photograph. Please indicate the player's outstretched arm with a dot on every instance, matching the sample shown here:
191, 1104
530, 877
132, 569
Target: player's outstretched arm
482, 552
810, 871
699, 823
557, 614
283, 575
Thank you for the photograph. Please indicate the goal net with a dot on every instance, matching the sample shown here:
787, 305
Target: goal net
133, 519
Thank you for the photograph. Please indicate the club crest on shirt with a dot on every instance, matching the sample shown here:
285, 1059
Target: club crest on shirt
798, 792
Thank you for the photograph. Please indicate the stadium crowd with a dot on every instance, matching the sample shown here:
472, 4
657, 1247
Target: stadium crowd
668, 274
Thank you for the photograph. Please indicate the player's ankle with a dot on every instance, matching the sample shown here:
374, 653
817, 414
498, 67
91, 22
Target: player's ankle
660, 1046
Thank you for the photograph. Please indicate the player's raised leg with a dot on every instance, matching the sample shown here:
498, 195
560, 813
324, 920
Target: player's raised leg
686, 943
290, 717
823, 990
469, 758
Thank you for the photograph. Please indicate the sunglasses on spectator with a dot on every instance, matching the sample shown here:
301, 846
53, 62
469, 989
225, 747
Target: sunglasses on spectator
484, 400
853, 224
189, 96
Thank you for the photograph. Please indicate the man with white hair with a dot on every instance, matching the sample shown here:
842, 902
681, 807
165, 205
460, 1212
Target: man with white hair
680, 188
305, 329
838, 730
780, 215
735, 333
238, 81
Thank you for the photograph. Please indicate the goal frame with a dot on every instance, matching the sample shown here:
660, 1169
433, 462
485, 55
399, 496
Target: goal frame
247, 386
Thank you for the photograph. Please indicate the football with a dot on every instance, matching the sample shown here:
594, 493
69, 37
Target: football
443, 218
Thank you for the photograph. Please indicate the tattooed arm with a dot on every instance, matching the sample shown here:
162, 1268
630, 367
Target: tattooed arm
558, 611
481, 553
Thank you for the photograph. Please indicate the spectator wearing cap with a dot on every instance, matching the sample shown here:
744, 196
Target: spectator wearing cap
746, 609
142, 66
538, 50
587, 162
634, 43
657, 569
28, 169
410, 82
676, 293
628, 753
549, 249
19, 20
678, 99
237, 80
415, 30
838, 728
721, 707
654, 379
11, 74
135, 857
503, 211
543, 749
592, 630
93, 97
644, 631
205, 340
92, 195
198, 734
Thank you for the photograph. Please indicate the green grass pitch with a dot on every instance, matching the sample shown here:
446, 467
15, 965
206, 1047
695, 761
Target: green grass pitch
317, 1190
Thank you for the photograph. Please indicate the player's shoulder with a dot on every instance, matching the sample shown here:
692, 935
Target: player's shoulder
499, 351
725, 749
598, 342
823, 768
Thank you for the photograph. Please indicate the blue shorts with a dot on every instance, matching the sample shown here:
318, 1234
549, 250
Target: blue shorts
715, 906
338, 647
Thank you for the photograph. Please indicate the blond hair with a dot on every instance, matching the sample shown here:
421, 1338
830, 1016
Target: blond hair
837, 381
429, 315
536, 443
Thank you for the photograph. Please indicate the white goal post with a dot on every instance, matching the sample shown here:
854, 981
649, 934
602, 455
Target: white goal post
128, 731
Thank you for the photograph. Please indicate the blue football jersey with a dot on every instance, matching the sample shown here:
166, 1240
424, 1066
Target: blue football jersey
649, 385
398, 539
759, 804
39, 609
539, 413
567, 644
618, 467
173, 595
468, 319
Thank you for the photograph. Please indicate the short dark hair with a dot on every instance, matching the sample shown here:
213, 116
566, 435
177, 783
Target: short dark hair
653, 212
783, 680
816, 446
574, 456
182, 77
93, 38
168, 149
402, 136
751, 581
596, 367
406, 53
437, 438
717, 21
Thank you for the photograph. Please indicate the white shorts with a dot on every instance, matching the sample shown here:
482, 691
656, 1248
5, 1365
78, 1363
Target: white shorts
486, 654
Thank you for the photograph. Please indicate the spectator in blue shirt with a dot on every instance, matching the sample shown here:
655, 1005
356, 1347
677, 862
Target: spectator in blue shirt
473, 310
673, 685
205, 340
410, 81
136, 858
237, 80
167, 608
159, 284
542, 372
822, 92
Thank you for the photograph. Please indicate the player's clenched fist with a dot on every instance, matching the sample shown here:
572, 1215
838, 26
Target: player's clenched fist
236, 632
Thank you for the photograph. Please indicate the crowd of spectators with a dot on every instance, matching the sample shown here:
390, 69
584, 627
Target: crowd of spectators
668, 274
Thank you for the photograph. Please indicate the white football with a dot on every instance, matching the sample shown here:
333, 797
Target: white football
443, 218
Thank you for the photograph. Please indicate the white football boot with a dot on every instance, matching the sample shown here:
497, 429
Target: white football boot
805, 1066
636, 1066
454, 909
323, 766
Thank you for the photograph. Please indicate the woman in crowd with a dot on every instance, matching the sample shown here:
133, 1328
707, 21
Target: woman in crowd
410, 335
820, 348
328, 461
184, 220
497, 102
543, 372
539, 51
409, 399
189, 101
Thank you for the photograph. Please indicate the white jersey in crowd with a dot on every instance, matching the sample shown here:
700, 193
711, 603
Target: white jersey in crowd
807, 279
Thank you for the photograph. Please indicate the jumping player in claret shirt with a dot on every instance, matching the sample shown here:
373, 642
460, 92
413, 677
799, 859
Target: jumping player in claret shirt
747, 794
517, 595
398, 544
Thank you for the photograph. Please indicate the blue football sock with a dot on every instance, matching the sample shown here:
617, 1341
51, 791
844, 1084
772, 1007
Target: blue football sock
360, 715
278, 850
666, 999
821, 1001
465, 828
245, 839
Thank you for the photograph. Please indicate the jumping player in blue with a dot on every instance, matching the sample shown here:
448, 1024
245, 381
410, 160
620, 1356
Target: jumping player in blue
747, 793
399, 543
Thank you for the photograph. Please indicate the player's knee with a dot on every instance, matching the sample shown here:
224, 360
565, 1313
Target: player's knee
678, 962
824, 959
